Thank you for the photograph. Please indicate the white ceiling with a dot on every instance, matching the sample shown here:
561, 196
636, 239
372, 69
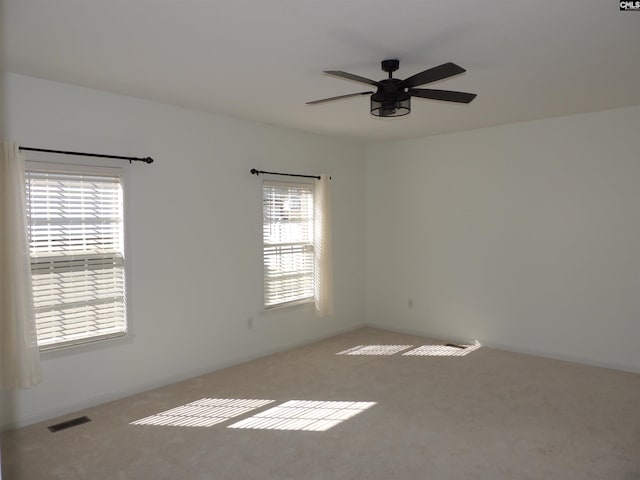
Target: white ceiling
263, 59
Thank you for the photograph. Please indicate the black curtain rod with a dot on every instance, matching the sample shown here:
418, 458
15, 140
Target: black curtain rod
258, 172
83, 154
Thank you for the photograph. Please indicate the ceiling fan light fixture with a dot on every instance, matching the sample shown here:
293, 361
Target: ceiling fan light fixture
398, 107
393, 95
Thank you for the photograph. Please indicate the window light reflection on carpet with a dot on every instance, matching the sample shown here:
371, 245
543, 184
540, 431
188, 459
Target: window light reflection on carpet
307, 415
374, 350
203, 413
443, 350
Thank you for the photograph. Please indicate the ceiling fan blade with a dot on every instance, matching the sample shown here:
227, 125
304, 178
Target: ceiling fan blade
330, 99
351, 76
444, 95
434, 74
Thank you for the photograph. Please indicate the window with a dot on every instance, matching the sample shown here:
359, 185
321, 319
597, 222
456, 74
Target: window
288, 233
76, 242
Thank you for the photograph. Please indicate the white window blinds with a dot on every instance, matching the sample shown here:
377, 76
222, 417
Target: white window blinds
77, 254
288, 242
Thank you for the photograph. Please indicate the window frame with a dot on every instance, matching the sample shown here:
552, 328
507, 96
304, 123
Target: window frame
302, 301
43, 161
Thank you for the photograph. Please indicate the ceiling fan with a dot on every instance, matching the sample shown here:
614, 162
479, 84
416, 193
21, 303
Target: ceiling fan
393, 96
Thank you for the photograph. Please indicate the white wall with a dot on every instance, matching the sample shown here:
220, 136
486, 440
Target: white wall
195, 230
525, 236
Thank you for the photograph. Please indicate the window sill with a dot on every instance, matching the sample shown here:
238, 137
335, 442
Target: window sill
287, 305
115, 340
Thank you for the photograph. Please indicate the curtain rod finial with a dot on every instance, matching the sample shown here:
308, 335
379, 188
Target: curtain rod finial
255, 172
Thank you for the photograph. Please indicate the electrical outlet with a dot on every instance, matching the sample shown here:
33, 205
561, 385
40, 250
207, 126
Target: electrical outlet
250, 322
410, 303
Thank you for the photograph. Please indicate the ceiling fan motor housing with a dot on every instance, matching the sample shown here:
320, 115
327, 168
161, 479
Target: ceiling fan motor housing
391, 100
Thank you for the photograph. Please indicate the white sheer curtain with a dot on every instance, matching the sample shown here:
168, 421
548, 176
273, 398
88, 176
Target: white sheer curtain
19, 355
323, 250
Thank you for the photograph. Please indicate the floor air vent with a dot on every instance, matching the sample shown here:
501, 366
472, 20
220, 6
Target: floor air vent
68, 424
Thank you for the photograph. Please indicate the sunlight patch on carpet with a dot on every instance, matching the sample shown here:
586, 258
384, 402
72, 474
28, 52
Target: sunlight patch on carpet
374, 350
443, 350
308, 415
203, 413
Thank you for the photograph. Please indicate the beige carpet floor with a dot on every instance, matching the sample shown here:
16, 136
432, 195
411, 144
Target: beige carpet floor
488, 414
